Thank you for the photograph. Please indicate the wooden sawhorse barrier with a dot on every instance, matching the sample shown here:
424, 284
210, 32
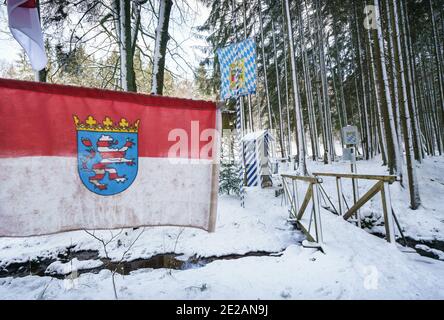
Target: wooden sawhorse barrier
289, 182
297, 212
381, 186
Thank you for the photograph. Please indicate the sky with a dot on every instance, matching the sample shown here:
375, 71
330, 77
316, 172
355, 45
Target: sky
9, 48
182, 32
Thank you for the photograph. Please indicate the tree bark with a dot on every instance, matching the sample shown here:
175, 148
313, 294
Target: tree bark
162, 38
264, 64
124, 31
297, 103
378, 114
384, 93
437, 59
415, 200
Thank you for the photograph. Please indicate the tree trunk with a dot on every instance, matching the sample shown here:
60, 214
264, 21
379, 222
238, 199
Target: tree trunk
384, 93
124, 34
415, 200
287, 100
160, 48
329, 147
438, 60
40, 76
365, 121
309, 92
297, 103
410, 84
284, 150
264, 64
378, 114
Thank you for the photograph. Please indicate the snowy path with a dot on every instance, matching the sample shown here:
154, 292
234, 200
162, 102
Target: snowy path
357, 265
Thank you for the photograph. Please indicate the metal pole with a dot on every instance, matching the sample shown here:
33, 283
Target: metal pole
239, 122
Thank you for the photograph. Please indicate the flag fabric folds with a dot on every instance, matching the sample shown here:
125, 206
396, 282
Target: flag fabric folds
238, 69
24, 24
77, 158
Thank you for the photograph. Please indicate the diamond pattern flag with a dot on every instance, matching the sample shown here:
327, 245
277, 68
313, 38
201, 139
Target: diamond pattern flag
238, 69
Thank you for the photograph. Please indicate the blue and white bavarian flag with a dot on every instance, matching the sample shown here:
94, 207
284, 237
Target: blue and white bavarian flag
238, 69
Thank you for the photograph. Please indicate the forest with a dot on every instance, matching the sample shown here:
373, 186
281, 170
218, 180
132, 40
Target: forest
322, 65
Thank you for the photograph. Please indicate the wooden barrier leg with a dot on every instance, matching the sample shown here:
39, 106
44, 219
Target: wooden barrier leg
317, 215
388, 216
285, 191
288, 199
297, 196
340, 200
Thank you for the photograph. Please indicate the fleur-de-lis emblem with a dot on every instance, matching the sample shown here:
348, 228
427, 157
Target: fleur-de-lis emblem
123, 123
107, 122
90, 121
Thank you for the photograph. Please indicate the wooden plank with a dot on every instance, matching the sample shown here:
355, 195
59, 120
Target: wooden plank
317, 215
289, 198
389, 179
388, 217
340, 200
306, 201
305, 231
302, 178
365, 198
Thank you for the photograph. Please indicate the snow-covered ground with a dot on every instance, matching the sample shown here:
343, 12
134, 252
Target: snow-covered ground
357, 265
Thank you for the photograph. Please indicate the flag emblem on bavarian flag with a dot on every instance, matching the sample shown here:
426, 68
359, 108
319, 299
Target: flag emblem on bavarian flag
238, 69
107, 154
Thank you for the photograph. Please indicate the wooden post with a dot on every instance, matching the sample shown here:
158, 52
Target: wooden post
297, 195
306, 201
388, 216
340, 200
355, 184
317, 214
285, 190
365, 198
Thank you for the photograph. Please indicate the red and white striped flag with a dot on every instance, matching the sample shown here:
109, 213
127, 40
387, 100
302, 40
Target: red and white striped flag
24, 24
77, 158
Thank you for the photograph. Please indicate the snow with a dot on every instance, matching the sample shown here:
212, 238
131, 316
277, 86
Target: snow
59, 267
426, 223
425, 248
252, 136
357, 265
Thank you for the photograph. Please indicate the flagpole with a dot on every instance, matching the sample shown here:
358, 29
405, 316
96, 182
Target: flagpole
250, 113
239, 146
239, 119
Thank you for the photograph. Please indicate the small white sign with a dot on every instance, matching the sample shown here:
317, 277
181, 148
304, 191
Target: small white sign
347, 154
350, 135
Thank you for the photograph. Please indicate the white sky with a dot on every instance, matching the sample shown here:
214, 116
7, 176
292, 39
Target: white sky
9, 48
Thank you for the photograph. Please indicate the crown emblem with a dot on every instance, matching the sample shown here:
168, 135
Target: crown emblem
107, 125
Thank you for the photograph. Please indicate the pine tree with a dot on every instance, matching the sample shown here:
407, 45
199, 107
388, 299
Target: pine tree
229, 180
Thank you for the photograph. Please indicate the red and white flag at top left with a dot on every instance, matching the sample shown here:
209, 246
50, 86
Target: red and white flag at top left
24, 24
